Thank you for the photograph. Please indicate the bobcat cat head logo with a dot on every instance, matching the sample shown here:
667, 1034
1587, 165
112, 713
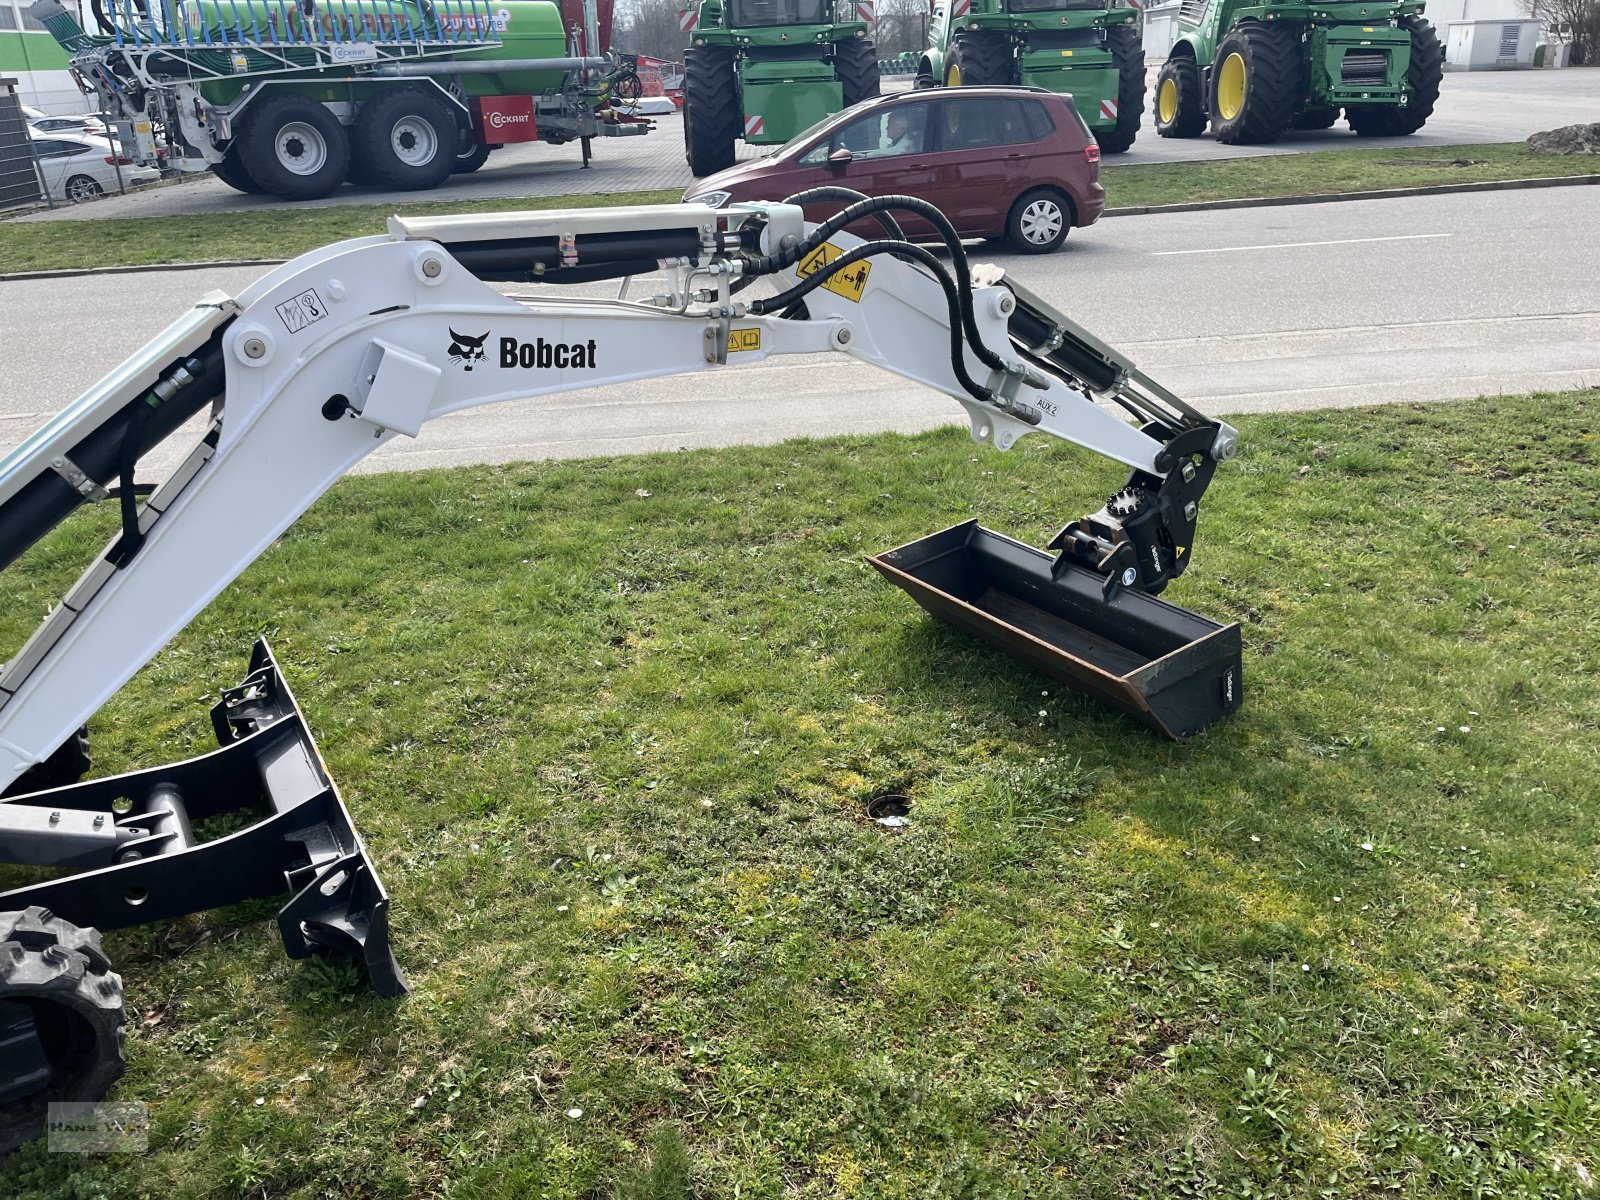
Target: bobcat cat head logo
467, 350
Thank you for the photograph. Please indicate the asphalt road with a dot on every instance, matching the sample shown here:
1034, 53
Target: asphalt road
1491, 106
1391, 301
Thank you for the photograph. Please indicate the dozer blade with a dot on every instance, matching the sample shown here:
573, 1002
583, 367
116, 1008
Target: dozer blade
1166, 667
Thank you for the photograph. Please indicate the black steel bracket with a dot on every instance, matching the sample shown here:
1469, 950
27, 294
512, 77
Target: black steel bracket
148, 865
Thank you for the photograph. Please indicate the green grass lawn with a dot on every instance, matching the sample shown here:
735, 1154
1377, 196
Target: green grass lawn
275, 233
611, 751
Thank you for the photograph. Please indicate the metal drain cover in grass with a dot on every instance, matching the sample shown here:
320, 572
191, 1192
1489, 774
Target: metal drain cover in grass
892, 810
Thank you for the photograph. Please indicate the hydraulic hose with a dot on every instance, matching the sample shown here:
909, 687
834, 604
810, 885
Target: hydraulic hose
952, 295
831, 191
771, 263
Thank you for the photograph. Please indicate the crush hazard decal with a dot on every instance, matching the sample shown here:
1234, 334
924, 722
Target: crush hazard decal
849, 283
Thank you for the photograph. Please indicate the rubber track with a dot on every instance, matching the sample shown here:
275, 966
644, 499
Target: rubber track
1127, 52
1273, 65
712, 116
855, 62
45, 960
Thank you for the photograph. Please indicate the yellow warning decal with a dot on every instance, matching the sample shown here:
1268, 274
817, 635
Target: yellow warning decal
849, 283
1368, 29
1181, 549
743, 339
1066, 54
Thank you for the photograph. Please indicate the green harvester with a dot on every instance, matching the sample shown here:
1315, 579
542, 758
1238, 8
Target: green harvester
1090, 48
1255, 70
764, 70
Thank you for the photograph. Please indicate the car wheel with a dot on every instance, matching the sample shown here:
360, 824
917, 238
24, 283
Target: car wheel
295, 148
1039, 221
81, 187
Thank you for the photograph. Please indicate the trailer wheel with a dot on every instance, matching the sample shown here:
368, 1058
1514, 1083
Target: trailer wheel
405, 139
1179, 108
856, 64
980, 58
60, 1020
711, 109
1255, 83
1424, 76
232, 172
1127, 53
295, 148
1039, 221
470, 154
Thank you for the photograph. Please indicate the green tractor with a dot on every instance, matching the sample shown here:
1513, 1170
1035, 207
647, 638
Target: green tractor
765, 70
1091, 48
1255, 70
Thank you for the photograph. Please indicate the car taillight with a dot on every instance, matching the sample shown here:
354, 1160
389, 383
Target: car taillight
116, 160
1091, 152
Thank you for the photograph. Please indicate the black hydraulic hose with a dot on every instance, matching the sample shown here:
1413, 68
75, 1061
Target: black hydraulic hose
952, 295
832, 191
770, 263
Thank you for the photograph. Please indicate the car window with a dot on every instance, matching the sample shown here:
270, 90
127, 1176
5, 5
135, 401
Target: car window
53, 148
812, 130
886, 133
1040, 126
980, 122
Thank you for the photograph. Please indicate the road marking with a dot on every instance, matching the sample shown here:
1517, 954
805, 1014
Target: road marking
1399, 237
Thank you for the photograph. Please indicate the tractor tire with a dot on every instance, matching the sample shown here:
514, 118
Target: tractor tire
1180, 105
295, 148
1127, 52
976, 59
1039, 221
924, 81
68, 764
1255, 83
856, 64
1425, 74
405, 140
60, 1020
711, 109
1316, 118
470, 155
231, 171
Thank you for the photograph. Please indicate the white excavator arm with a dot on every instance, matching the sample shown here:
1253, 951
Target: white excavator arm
329, 356
325, 359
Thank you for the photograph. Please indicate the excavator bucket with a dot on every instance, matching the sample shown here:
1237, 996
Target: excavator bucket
1166, 667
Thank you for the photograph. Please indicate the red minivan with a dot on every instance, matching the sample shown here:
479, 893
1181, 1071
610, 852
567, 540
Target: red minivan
1012, 162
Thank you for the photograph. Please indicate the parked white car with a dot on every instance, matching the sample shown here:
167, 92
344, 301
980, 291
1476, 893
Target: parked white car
93, 126
77, 167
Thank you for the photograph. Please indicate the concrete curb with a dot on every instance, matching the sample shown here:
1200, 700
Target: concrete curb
1438, 189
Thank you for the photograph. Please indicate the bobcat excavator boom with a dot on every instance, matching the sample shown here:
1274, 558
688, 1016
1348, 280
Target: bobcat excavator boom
329, 356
